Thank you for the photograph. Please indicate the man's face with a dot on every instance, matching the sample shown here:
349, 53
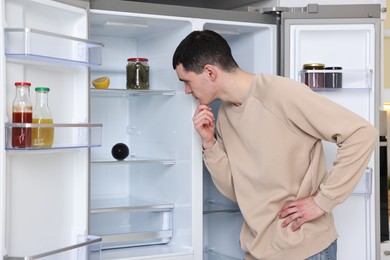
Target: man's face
198, 85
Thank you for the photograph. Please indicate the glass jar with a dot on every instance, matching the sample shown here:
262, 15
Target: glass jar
314, 79
42, 136
22, 113
137, 73
333, 78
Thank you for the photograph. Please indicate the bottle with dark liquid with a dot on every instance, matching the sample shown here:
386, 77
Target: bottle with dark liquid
22, 113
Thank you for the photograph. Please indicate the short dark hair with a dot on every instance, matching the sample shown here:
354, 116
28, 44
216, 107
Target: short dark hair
204, 47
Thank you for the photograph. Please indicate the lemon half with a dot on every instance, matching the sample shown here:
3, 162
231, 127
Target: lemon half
102, 82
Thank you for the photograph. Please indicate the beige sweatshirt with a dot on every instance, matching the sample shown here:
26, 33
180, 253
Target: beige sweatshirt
269, 152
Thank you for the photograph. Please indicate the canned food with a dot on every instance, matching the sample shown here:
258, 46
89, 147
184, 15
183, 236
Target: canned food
314, 79
333, 79
137, 73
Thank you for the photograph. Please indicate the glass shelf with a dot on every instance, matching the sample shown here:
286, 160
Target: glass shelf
133, 160
84, 135
351, 80
129, 92
210, 207
87, 247
132, 203
131, 221
43, 46
212, 255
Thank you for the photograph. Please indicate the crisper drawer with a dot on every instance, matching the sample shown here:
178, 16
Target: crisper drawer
131, 221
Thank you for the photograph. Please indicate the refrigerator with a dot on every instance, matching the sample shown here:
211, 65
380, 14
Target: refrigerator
75, 201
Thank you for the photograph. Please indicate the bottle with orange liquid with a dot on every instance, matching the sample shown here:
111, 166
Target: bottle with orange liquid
22, 113
42, 136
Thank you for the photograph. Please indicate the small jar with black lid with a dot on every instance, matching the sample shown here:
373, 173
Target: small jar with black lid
312, 78
333, 78
137, 73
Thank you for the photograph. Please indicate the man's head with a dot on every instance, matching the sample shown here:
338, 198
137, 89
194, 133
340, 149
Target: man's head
204, 47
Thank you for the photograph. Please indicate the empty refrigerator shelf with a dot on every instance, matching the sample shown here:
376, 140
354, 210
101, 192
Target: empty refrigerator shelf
83, 135
211, 255
131, 203
137, 253
131, 221
37, 45
87, 246
211, 207
133, 160
130, 92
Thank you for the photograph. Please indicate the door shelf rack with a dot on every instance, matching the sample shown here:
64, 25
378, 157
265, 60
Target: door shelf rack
83, 135
351, 80
87, 247
26, 44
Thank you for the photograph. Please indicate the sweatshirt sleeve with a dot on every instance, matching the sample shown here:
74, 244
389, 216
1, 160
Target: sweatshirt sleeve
218, 165
354, 136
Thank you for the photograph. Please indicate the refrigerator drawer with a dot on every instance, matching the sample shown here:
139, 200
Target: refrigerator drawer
131, 221
32, 44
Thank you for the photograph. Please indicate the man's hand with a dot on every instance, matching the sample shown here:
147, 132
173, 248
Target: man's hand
299, 212
203, 120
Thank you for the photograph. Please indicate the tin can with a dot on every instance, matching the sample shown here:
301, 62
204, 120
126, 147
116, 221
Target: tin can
312, 78
334, 78
137, 73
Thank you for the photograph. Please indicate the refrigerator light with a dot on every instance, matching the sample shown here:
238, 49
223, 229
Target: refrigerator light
124, 24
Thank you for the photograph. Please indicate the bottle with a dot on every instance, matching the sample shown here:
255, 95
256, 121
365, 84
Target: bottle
22, 113
137, 72
42, 136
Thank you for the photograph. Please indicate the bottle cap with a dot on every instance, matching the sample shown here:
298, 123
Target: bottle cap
42, 89
138, 59
26, 84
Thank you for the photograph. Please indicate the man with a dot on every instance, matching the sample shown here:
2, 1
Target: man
267, 154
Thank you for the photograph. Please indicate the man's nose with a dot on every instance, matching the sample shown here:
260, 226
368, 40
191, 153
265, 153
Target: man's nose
188, 90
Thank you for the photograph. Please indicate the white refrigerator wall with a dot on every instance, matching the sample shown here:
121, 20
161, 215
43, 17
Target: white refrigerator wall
354, 51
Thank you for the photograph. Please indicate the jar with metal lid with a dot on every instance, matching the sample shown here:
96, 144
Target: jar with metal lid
333, 78
312, 78
137, 73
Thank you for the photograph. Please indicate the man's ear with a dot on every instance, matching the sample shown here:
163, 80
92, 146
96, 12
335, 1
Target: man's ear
210, 71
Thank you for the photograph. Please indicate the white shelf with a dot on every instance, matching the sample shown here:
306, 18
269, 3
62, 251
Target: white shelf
43, 46
129, 92
133, 160
84, 135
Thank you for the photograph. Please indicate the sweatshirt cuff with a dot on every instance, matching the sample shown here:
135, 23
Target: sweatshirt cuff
324, 202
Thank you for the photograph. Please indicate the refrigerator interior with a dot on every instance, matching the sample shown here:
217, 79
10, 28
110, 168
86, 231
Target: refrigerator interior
152, 189
164, 167
352, 47
46, 189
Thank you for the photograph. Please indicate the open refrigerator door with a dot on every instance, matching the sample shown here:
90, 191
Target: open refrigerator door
345, 42
44, 206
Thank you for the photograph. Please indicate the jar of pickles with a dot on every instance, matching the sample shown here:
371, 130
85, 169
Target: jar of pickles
313, 78
137, 73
